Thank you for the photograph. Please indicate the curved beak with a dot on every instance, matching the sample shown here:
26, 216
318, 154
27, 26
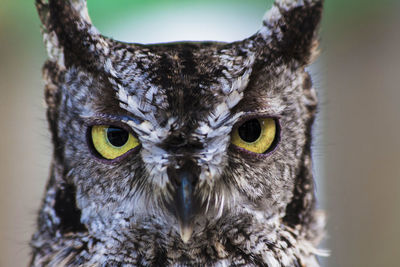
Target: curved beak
184, 206
185, 203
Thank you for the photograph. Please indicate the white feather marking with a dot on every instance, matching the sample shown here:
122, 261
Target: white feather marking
221, 205
108, 67
270, 18
290, 4
208, 203
150, 93
145, 127
55, 52
233, 99
133, 106
270, 260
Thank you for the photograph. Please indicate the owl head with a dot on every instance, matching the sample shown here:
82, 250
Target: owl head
173, 140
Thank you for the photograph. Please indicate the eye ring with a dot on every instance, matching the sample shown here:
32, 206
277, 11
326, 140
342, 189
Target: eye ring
105, 143
262, 140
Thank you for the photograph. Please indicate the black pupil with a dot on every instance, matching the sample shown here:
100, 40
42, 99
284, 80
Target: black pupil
250, 131
117, 136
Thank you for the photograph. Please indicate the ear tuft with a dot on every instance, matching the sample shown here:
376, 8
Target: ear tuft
70, 37
290, 29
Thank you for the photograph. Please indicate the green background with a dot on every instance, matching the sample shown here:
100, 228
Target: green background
356, 147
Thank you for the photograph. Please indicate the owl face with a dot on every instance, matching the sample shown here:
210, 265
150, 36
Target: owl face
183, 127
173, 138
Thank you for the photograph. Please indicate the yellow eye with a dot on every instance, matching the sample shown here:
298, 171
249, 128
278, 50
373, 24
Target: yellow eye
255, 135
112, 142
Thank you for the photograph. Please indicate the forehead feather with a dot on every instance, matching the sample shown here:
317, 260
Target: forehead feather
186, 81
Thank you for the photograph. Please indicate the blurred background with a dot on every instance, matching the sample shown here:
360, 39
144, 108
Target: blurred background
357, 134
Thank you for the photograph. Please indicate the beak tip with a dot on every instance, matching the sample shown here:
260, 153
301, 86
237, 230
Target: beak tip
186, 234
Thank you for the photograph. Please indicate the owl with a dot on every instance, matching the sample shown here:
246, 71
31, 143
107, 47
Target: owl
179, 154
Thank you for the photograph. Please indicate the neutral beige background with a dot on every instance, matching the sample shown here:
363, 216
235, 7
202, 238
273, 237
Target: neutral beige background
357, 150
361, 139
